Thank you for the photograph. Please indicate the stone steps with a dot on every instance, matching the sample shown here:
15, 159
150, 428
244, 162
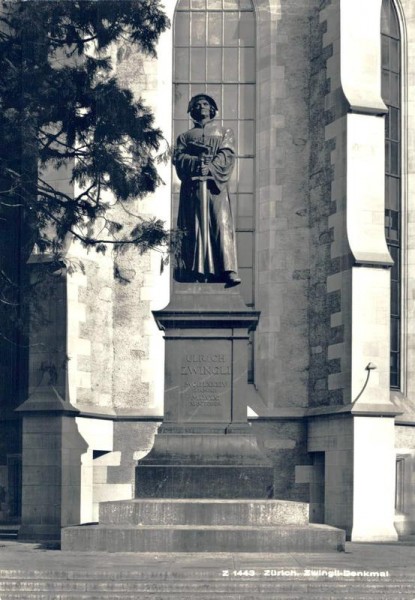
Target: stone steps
224, 586
203, 525
247, 591
153, 586
252, 595
203, 512
9, 532
202, 538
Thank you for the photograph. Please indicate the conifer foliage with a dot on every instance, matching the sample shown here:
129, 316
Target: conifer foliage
61, 107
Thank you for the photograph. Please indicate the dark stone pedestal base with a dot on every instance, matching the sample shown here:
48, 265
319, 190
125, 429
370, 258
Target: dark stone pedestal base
204, 465
203, 482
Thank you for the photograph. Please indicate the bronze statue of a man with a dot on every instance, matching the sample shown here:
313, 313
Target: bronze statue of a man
204, 159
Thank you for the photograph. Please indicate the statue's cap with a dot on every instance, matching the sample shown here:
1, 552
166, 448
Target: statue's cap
197, 97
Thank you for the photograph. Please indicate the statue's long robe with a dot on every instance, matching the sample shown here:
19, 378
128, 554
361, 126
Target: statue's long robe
221, 248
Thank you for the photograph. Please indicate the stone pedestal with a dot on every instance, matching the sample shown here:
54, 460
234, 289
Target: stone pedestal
205, 448
205, 486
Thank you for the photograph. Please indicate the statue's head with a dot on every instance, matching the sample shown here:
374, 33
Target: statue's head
199, 105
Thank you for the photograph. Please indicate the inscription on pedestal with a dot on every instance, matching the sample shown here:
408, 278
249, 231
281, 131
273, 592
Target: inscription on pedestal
205, 382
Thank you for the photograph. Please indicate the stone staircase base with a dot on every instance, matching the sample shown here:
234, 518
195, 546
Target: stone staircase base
196, 538
178, 525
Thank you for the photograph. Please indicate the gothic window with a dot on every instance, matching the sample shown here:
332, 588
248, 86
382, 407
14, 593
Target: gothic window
214, 52
391, 93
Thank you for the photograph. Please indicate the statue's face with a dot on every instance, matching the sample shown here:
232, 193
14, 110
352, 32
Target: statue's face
201, 109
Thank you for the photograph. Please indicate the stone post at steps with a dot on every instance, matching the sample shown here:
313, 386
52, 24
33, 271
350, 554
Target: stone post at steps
51, 458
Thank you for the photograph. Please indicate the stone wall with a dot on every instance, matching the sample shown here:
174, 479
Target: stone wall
10, 454
282, 238
324, 306
136, 439
334, 436
144, 284
283, 442
350, 258
90, 331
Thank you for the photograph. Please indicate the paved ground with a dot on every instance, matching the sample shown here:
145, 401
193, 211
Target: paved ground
396, 558
363, 572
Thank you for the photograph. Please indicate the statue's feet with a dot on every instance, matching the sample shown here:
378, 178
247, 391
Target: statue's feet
232, 279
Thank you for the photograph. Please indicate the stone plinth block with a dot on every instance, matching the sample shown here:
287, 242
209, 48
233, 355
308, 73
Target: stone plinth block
203, 512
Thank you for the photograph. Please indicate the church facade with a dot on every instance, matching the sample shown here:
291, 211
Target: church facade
321, 97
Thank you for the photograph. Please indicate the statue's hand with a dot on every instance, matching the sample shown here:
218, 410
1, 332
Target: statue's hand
204, 165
